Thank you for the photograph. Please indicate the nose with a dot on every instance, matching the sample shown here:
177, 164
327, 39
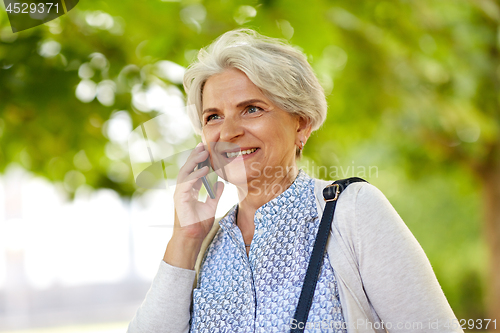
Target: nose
231, 128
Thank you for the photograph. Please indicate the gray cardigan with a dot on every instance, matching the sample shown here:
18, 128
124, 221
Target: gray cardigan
384, 278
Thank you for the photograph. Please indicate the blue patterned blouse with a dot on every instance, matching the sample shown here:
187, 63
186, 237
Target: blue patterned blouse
259, 293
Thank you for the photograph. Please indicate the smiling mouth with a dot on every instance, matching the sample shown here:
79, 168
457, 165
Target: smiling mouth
238, 153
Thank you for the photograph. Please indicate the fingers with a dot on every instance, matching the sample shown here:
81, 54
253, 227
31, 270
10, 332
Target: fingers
188, 208
193, 177
198, 155
189, 182
197, 185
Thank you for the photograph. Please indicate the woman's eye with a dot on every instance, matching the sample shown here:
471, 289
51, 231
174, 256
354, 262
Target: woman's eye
253, 109
211, 117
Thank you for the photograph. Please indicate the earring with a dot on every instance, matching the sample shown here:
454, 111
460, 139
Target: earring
302, 144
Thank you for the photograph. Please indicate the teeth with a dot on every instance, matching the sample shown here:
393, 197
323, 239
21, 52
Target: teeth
244, 152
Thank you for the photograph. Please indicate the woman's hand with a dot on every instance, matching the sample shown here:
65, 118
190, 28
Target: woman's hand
193, 219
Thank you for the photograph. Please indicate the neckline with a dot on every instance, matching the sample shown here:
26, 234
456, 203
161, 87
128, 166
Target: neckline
301, 180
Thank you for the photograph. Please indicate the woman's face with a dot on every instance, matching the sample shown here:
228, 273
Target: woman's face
236, 115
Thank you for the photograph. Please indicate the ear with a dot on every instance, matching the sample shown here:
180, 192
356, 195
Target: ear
304, 129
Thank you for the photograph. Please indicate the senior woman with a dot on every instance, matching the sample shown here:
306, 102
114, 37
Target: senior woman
261, 95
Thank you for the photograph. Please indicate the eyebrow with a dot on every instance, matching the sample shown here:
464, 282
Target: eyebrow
247, 102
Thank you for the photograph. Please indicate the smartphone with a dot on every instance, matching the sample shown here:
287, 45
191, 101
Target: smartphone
208, 180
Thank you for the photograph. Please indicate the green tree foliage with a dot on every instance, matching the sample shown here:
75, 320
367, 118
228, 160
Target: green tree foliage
413, 87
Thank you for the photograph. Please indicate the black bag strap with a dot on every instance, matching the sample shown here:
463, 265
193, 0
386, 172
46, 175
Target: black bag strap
330, 193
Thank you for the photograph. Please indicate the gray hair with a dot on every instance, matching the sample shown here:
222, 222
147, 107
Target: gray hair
279, 70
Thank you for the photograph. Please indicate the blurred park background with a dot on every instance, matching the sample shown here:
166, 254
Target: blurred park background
414, 97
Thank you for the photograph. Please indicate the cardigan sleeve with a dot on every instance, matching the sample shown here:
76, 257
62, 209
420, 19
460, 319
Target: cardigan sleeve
396, 274
166, 308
